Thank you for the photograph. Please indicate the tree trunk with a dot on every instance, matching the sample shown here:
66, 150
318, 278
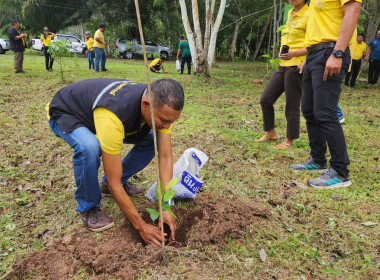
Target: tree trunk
234, 38
214, 31
189, 34
267, 22
373, 21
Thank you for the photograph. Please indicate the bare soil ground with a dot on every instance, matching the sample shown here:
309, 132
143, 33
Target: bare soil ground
119, 253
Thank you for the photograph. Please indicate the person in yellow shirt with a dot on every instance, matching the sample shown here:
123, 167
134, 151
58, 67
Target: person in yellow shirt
357, 56
45, 41
99, 46
95, 117
287, 78
90, 50
330, 31
156, 65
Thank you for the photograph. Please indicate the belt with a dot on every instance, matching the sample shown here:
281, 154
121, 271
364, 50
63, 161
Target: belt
321, 46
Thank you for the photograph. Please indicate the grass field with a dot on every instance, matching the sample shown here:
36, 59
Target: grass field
312, 234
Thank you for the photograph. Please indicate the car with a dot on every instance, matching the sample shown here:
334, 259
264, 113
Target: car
4, 46
130, 47
75, 45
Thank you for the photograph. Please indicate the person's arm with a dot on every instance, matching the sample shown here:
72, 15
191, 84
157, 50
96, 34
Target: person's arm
179, 50
291, 54
100, 41
351, 12
113, 170
367, 53
52, 35
163, 69
165, 161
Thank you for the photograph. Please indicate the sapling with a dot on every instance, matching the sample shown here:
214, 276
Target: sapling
59, 49
166, 195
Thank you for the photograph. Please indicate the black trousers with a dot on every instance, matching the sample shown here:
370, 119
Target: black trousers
286, 79
353, 74
48, 59
188, 61
373, 71
319, 107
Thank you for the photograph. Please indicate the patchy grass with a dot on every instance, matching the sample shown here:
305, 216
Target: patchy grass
309, 236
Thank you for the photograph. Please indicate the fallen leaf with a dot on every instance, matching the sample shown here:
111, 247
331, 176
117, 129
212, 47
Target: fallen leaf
336, 197
252, 160
263, 255
298, 185
369, 224
257, 81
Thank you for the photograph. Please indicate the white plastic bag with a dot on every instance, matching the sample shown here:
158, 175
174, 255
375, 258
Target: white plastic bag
178, 65
186, 169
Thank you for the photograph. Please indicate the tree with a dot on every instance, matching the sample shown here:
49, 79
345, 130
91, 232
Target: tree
373, 20
202, 48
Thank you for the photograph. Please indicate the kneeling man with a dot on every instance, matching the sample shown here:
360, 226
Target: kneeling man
95, 117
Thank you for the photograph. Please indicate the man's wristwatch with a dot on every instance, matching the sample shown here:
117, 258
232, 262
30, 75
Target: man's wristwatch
338, 53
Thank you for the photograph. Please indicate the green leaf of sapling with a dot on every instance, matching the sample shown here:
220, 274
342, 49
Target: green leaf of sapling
168, 195
153, 213
172, 183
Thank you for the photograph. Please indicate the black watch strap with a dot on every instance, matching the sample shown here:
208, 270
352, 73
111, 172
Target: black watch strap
338, 53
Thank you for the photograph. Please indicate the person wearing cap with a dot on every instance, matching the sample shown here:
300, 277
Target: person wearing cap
156, 65
90, 50
330, 31
95, 118
17, 44
99, 46
46, 40
184, 51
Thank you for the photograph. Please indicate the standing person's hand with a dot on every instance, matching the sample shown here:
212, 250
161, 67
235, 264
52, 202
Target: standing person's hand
150, 234
288, 56
333, 66
24, 35
169, 219
302, 66
105, 43
366, 58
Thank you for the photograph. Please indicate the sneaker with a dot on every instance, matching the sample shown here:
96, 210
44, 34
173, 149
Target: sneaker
96, 220
129, 188
104, 70
330, 180
341, 119
308, 165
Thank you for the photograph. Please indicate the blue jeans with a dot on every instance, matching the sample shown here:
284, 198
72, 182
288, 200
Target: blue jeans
90, 56
339, 111
100, 57
86, 162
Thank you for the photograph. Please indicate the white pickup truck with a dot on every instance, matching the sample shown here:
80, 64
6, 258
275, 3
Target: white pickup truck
75, 45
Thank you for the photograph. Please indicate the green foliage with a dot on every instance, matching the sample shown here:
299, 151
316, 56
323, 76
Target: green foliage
272, 62
58, 50
166, 195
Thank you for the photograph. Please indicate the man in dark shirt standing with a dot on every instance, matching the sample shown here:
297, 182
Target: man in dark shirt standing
17, 42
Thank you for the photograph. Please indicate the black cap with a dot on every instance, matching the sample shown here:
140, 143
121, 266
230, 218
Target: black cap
102, 25
162, 57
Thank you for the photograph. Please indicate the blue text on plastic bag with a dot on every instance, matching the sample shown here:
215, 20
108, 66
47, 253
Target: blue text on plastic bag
190, 182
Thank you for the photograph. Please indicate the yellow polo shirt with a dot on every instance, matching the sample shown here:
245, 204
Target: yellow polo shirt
110, 130
89, 43
294, 34
100, 35
46, 41
325, 18
359, 50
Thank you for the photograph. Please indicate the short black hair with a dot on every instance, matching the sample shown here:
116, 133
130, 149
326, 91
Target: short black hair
361, 35
13, 22
169, 92
102, 25
181, 37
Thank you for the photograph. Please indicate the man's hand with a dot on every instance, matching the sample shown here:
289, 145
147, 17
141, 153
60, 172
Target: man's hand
166, 72
302, 66
288, 56
105, 43
24, 35
333, 66
366, 58
169, 219
150, 234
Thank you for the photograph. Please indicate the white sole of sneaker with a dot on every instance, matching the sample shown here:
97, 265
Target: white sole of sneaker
338, 185
310, 171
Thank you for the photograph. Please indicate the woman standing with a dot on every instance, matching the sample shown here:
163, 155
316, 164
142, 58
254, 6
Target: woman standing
184, 50
45, 40
90, 50
287, 78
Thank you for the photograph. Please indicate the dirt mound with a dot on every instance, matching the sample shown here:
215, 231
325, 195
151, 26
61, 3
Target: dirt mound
120, 253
